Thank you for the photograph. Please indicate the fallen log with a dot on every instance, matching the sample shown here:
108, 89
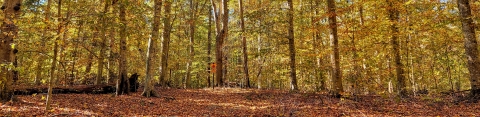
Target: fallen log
79, 89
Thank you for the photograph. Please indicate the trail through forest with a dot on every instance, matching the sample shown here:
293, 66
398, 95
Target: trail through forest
236, 102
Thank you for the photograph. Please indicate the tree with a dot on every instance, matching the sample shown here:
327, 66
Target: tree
41, 59
167, 27
471, 46
291, 46
317, 44
191, 49
209, 46
244, 45
55, 54
393, 16
11, 10
122, 80
103, 44
221, 26
335, 57
152, 50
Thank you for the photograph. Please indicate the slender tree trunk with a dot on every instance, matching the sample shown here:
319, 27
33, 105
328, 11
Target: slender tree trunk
112, 56
471, 46
260, 63
63, 46
209, 46
55, 54
41, 59
394, 17
111, 59
336, 73
319, 70
122, 80
167, 27
75, 51
356, 66
291, 46
9, 31
152, 50
103, 44
191, 49
244, 46
88, 68
259, 48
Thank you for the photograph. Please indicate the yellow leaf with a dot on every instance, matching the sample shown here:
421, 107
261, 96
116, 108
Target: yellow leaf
409, 2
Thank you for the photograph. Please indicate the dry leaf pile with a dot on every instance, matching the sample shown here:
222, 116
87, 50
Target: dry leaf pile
233, 102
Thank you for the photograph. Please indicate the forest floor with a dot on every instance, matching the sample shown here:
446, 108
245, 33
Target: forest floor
235, 102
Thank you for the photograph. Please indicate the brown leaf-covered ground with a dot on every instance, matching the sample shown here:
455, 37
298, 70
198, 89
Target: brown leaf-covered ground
235, 102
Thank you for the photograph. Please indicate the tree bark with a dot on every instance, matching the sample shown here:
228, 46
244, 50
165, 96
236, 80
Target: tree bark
152, 50
41, 59
336, 75
62, 56
112, 55
259, 48
220, 18
55, 54
165, 43
209, 46
9, 33
74, 72
291, 47
394, 17
122, 80
244, 46
88, 68
319, 70
103, 44
191, 49
356, 67
471, 46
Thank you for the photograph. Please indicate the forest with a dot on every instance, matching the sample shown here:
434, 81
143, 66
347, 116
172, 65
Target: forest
239, 58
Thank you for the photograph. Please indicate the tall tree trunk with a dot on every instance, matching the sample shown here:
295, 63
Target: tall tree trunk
103, 44
244, 46
394, 17
336, 73
471, 46
122, 80
167, 27
74, 72
11, 12
63, 46
356, 67
55, 54
112, 56
41, 59
220, 37
319, 70
152, 50
259, 48
209, 46
222, 67
191, 49
291, 47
